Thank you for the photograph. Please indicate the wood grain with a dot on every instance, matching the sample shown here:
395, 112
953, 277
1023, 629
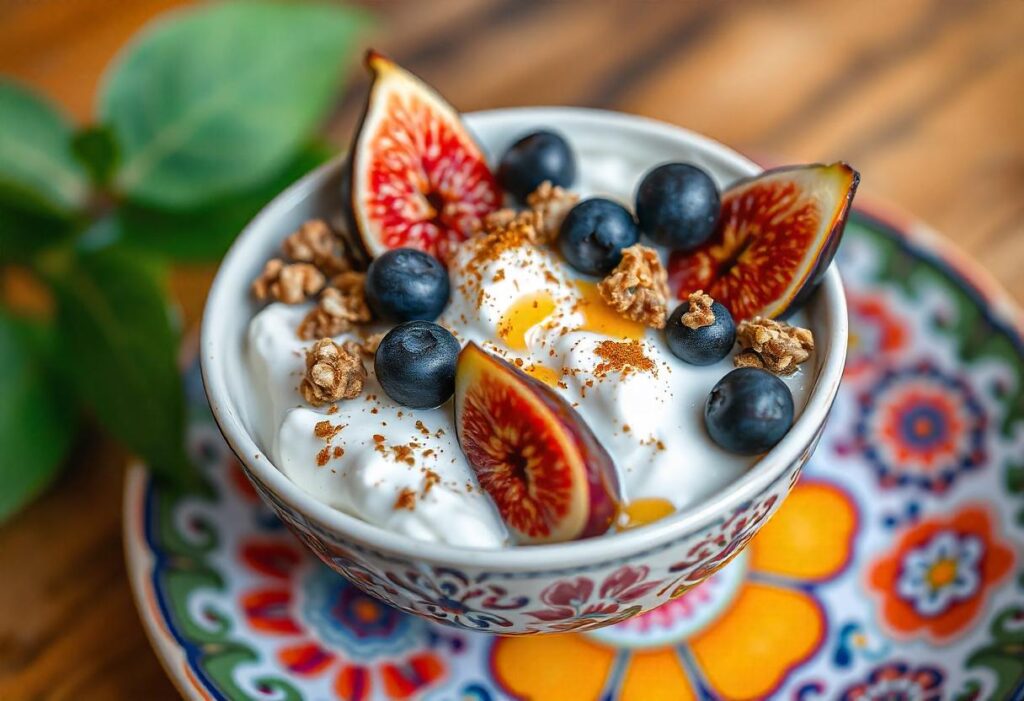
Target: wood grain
923, 96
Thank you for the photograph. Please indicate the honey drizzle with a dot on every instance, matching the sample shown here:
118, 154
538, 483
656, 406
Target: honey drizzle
641, 512
525, 313
600, 318
544, 374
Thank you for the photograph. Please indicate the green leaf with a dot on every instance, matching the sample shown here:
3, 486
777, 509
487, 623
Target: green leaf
114, 322
37, 422
96, 149
36, 163
25, 232
214, 100
204, 233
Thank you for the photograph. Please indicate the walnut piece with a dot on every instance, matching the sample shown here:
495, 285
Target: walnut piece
550, 203
314, 242
503, 219
638, 287
341, 305
290, 283
371, 343
748, 359
700, 313
333, 372
778, 346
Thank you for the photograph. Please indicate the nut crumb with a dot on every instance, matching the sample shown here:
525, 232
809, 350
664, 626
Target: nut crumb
539, 224
506, 217
341, 305
778, 346
638, 287
290, 283
333, 372
371, 343
550, 203
748, 359
315, 243
523, 222
700, 313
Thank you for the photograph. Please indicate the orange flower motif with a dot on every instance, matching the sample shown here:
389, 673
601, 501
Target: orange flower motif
780, 625
875, 333
933, 583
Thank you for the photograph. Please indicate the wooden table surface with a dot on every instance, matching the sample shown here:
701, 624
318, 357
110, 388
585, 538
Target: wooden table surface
925, 98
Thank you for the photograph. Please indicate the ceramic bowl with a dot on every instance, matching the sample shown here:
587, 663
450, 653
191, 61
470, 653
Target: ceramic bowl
533, 589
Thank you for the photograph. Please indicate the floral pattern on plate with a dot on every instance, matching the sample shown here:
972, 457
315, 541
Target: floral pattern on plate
893, 569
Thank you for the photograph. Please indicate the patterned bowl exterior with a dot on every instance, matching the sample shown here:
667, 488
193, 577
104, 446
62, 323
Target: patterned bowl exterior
546, 594
554, 600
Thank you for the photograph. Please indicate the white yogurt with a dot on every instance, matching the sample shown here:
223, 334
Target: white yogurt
402, 469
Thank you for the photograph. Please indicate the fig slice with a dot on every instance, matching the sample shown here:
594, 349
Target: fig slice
415, 175
532, 453
775, 238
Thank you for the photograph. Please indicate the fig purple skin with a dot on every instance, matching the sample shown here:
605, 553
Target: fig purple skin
602, 477
828, 252
776, 236
567, 480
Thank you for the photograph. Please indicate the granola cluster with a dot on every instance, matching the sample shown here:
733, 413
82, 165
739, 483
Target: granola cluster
773, 345
370, 343
315, 243
700, 313
290, 283
319, 263
638, 287
548, 205
314, 253
497, 222
341, 305
333, 372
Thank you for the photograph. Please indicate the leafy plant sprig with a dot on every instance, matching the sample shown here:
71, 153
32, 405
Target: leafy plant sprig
202, 118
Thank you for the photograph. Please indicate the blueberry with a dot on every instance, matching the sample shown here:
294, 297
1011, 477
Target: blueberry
748, 411
405, 284
415, 364
677, 205
594, 233
540, 156
704, 345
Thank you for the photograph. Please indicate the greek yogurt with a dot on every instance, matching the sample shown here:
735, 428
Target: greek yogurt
402, 469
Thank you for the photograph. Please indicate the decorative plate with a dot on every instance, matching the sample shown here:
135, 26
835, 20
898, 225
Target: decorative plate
895, 570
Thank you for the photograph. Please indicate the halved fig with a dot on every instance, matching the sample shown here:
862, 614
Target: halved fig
775, 238
416, 176
541, 464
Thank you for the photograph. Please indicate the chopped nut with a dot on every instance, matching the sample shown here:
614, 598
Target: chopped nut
748, 359
341, 305
779, 346
525, 221
371, 343
539, 224
289, 283
333, 372
638, 287
550, 203
314, 242
700, 313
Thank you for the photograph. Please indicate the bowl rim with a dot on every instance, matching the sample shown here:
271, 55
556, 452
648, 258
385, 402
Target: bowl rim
516, 558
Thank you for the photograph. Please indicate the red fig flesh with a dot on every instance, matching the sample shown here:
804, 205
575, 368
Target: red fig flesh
776, 236
534, 456
416, 176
